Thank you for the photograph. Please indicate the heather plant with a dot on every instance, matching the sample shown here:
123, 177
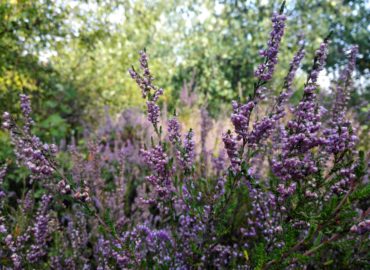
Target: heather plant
288, 190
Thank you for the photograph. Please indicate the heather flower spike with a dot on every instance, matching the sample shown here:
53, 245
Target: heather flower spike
262, 129
28, 148
174, 130
149, 91
265, 70
231, 147
189, 150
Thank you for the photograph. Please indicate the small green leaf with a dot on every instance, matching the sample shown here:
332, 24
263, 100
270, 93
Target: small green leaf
246, 256
318, 239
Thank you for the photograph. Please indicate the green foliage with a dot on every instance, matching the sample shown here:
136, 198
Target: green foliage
362, 192
260, 256
74, 58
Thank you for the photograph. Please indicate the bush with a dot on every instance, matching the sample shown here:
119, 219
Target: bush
292, 193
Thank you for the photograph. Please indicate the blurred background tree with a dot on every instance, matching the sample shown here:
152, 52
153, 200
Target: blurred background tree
72, 56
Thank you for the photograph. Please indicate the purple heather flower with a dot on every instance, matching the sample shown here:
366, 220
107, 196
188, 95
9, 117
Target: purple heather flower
240, 118
361, 228
339, 134
157, 94
302, 132
188, 156
278, 111
2, 173
156, 159
174, 131
261, 130
26, 111
29, 149
148, 242
220, 187
231, 147
6, 120
28, 202
144, 63
346, 176
40, 231
145, 84
294, 65
286, 191
263, 218
144, 81
319, 63
2, 229
153, 112
264, 71
189, 230
339, 137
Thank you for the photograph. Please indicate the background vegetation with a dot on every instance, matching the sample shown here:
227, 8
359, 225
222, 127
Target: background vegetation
72, 56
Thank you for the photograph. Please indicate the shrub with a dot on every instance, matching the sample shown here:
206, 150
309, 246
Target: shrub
292, 193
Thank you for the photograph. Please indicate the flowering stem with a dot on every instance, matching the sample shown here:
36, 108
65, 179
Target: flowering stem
319, 228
